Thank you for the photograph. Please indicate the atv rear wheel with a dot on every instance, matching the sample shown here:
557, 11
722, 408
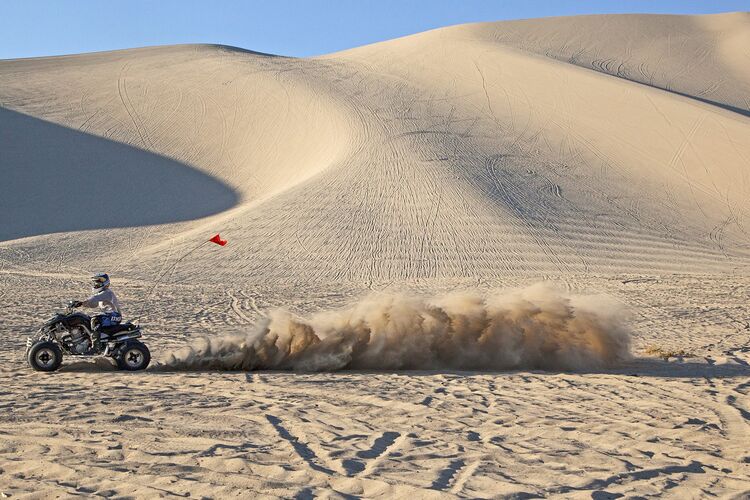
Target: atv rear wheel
44, 356
133, 356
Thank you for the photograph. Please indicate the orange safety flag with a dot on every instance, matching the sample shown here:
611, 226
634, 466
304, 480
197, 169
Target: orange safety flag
217, 239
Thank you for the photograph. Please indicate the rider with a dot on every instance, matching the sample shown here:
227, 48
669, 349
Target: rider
106, 301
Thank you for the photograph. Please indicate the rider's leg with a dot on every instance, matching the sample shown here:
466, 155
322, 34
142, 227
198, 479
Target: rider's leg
96, 324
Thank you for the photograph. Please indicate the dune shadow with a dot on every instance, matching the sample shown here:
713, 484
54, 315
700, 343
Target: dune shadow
97, 365
658, 368
637, 367
59, 179
710, 102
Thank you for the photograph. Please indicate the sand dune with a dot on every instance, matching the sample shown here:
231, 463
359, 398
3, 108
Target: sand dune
608, 154
702, 57
471, 151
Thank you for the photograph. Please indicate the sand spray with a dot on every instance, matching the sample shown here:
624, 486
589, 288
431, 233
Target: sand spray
535, 327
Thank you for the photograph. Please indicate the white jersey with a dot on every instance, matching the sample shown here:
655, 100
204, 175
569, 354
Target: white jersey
105, 301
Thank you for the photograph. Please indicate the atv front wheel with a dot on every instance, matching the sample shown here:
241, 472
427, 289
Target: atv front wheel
133, 356
44, 356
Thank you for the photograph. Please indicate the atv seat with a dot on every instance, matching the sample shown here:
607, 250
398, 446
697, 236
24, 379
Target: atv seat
115, 329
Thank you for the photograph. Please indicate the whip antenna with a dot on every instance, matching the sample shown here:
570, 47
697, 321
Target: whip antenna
214, 239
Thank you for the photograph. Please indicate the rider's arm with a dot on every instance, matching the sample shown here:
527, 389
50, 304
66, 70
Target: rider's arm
92, 302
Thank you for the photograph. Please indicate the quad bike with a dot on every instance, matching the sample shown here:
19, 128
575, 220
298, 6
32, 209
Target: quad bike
69, 332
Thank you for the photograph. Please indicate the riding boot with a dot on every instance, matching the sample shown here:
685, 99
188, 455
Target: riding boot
95, 334
95, 340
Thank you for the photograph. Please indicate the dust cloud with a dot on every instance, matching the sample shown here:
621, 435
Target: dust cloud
530, 328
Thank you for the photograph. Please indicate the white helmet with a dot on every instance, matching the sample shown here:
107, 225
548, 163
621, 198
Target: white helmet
99, 282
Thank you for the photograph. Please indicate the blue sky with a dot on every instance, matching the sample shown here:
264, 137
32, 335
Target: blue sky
31, 28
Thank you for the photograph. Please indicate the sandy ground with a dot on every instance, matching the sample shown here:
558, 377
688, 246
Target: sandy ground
606, 155
649, 427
